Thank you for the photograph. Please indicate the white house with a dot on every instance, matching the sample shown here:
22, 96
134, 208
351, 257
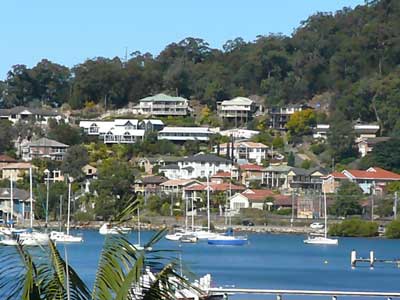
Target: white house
118, 131
36, 115
249, 151
164, 105
239, 109
182, 134
196, 166
362, 131
239, 133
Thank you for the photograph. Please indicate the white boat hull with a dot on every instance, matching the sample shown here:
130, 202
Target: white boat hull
321, 241
105, 229
61, 237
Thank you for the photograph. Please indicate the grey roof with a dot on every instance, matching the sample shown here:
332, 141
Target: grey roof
153, 179
377, 140
18, 194
205, 158
300, 171
35, 111
45, 142
170, 167
162, 97
190, 169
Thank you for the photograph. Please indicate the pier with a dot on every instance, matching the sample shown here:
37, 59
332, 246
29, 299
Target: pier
280, 293
371, 260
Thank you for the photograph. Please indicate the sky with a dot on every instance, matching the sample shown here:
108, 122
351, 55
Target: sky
70, 31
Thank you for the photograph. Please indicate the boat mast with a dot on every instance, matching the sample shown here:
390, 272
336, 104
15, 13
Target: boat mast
192, 215
69, 204
138, 224
208, 203
60, 220
326, 217
30, 198
186, 214
12, 202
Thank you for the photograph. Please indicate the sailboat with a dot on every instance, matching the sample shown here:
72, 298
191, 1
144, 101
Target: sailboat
202, 234
24, 236
322, 240
138, 246
61, 237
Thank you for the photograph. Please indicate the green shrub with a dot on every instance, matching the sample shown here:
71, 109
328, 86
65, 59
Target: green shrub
393, 230
354, 227
252, 213
318, 148
81, 216
283, 212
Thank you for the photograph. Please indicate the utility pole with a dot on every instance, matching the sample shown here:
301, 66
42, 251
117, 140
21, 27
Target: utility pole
395, 206
47, 172
372, 207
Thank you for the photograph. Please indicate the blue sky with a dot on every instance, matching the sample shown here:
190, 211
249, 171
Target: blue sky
68, 32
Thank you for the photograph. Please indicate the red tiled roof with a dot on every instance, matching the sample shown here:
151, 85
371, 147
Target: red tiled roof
6, 158
257, 195
222, 175
374, 173
251, 167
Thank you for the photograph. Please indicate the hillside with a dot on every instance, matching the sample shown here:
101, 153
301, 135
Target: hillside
350, 55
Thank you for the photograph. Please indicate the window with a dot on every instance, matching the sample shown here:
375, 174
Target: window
203, 173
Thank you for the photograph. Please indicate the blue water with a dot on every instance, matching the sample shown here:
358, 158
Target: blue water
268, 261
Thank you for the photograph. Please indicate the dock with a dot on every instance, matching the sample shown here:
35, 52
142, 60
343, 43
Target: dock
371, 260
280, 293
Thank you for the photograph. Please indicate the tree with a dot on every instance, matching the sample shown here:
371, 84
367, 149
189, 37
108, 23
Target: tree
393, 230
385, 155
301, 123
6, 134
75, 158
341, 138
347, 201
291, 159
64, 133
278, 142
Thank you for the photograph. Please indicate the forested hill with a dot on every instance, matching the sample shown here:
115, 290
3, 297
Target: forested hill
350, 57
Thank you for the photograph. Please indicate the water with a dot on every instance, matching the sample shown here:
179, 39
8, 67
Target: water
269, 261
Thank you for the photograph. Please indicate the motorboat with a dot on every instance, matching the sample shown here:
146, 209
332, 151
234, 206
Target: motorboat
188, 238
322, 240
176, 236
106, 228
33, 238
204, 234
61, 237
8, 241
228, 239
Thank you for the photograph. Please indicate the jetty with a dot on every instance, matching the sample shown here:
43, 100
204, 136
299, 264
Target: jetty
280, 293
371, 260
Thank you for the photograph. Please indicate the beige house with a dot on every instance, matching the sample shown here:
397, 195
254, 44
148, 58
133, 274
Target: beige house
16, 171
89, 171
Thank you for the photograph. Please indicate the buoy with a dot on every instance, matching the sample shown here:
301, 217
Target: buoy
326, 262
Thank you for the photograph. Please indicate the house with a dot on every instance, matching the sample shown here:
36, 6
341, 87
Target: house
183, 134
196, 166
150, 125
120, 131
21, 204
249, 151
250, 173
306, 179
372, 180
198, 191
258, 198
239, 110
221, 177
176, 186
149, 184
164, 105
276, 176
239, 133
16, 171
367, 145
148, 164
5, 160
36, 115
89, 171
54, 176
279, 116
43, 148
362, 131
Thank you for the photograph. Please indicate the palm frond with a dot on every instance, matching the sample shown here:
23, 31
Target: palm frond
18, 275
